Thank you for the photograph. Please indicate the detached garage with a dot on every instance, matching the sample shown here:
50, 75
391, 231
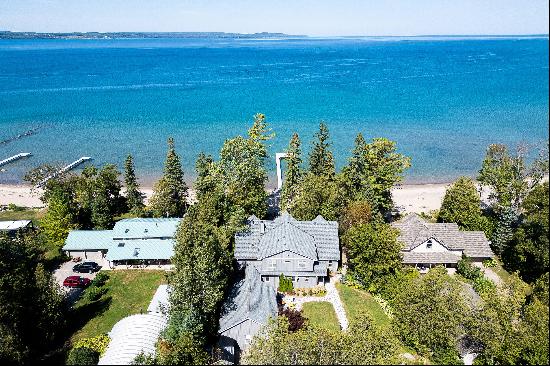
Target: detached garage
89, 245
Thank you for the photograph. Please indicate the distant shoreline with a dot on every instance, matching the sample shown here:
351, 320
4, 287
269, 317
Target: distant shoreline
230, 35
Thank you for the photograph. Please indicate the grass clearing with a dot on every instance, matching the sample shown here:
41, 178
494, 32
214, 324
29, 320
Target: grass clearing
128, 292
23, 213
358, 301
321, 314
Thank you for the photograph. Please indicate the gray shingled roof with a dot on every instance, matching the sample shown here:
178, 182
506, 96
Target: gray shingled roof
266, 237
415, 231
435, 257
251, 299
287, 237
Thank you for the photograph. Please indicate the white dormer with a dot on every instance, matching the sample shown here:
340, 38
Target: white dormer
430, 246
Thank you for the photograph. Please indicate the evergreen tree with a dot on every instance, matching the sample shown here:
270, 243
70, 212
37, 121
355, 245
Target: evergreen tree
134, 198
31, 302
202, 263
321, 161
505, 220
462, 205
170, 193
293, 172
356, 170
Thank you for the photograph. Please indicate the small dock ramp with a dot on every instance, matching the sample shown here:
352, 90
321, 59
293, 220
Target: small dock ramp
71, 166
11, 159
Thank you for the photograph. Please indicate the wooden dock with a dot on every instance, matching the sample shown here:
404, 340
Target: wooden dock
11, 159
71, 166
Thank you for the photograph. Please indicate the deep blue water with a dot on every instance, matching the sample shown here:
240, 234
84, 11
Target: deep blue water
443, 101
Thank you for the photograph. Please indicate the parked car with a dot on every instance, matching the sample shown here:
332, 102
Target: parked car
86, 267
76, 281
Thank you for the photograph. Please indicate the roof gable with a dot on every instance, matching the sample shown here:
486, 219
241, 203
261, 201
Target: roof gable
249, 299
316, 239
414, 231
285, 237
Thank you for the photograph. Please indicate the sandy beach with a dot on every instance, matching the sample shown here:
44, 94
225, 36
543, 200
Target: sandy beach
409, 197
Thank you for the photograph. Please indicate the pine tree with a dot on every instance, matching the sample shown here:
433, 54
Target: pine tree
321, 161
134, 198
170, 194
293, 172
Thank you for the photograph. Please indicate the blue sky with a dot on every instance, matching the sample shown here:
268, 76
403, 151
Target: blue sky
310, 17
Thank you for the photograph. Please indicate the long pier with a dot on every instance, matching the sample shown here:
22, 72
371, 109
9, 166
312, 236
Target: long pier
11, 159
71, 166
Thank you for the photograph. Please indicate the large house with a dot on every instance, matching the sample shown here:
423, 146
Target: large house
132, 241
303, 250
430, 244
248, 307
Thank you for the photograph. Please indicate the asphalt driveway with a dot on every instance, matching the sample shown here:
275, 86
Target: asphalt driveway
66, 270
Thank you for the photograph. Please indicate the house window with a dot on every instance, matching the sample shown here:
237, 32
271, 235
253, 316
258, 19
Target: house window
302, 264
429, 244
273, 264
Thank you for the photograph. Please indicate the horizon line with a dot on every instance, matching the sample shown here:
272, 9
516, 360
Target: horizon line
290, 35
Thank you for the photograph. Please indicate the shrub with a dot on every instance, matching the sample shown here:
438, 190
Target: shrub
83, 356
467, 270
98, 343
94, 293
296, 320
483, 285
488, 263
14, 207
285, 284
100, 279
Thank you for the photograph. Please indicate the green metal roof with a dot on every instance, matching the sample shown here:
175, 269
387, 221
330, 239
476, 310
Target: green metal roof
141, 249
152, 236
88, 240
146, 228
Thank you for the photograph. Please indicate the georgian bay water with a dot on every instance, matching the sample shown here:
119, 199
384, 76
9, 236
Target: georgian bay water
442, 99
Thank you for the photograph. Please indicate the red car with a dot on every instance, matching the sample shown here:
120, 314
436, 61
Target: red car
76, 281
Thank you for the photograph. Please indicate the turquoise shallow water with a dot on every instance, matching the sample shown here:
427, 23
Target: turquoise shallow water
442, 100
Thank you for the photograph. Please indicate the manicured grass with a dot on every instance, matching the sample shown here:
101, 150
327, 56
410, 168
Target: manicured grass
357, 302
321, 314
128, 292
22, 213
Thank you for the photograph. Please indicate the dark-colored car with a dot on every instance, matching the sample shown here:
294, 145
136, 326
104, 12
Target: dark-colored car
86, 267
76, 281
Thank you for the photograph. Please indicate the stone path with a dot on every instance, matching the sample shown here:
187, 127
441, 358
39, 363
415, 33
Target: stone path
332, 296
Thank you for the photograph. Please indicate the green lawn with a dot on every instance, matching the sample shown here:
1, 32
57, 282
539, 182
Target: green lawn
321, 314
129, 292
22, 213
357, 302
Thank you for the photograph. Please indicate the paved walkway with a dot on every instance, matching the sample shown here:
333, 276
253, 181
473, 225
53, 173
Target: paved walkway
489, 274
332, 296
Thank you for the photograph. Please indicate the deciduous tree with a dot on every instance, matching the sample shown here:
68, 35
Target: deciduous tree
462, 205
373, 253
